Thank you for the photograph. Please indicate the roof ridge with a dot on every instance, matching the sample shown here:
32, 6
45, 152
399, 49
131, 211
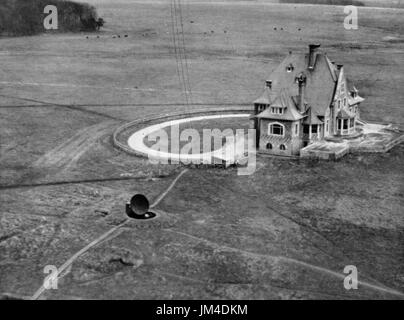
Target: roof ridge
330, 67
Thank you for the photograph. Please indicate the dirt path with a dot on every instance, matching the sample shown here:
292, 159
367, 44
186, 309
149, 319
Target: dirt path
287, 260
69, 152
109, 235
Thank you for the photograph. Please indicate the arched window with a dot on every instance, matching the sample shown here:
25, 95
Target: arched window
269, 146
282, 147
276, 129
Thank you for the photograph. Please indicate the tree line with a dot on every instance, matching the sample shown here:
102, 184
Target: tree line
25, 17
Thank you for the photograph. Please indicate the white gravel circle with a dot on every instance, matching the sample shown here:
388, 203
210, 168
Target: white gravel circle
136, 140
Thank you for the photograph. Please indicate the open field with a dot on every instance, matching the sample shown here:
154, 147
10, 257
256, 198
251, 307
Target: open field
227, 126
285, 232
368, 3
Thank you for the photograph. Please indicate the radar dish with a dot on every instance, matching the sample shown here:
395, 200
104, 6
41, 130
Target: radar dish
139, 204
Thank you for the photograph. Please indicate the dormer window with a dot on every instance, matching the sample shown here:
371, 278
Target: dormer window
276, 110
260, 107
290, 68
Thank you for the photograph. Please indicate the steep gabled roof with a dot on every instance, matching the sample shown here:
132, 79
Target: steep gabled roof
312, 117
267, 97
333, 69
320, 84
284, 101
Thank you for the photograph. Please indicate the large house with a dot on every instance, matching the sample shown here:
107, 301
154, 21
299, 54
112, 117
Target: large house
305, 100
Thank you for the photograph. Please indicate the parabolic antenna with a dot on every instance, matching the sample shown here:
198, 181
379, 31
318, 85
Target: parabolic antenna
139, 204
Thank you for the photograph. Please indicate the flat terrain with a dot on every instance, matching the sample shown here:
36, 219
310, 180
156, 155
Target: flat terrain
286, 232
227, 127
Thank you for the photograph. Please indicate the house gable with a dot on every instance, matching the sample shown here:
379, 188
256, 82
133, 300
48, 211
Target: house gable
288, 106
307, 99
341, 97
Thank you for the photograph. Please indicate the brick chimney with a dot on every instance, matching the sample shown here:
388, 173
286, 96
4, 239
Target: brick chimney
313, 49
301, 81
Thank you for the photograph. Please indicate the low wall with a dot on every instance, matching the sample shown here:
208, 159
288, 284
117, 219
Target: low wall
324, 155
312, 153
378, 149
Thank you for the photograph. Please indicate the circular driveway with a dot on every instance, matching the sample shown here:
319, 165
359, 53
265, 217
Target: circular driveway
136, 141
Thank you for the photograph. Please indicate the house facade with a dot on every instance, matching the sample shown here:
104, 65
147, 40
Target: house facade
305, 100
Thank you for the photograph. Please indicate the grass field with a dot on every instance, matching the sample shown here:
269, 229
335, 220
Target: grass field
285, 232
227, 127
